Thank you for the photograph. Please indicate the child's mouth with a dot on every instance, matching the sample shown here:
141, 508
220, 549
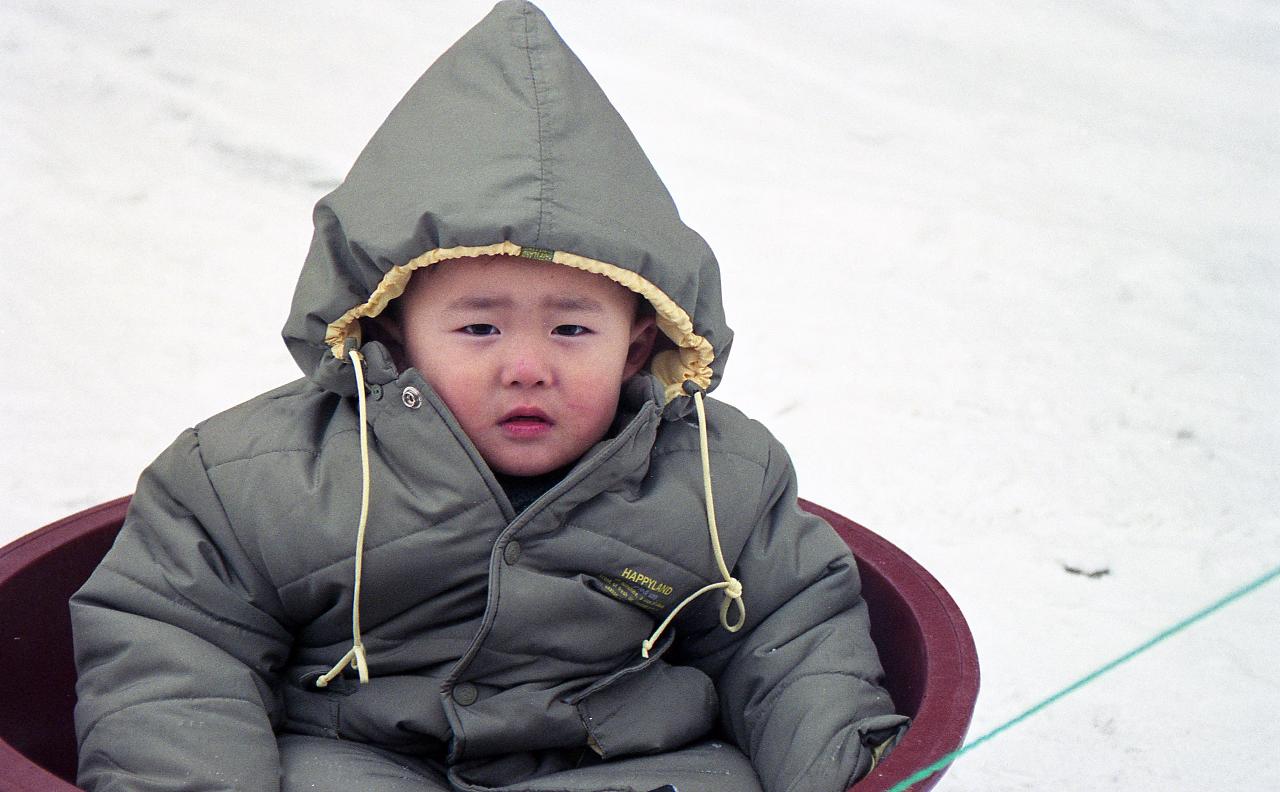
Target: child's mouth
526, 424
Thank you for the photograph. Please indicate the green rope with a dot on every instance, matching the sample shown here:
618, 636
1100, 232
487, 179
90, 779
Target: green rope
905, 784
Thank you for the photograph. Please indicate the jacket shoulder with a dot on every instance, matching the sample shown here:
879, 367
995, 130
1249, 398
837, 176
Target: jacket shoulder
729, 432
298, 416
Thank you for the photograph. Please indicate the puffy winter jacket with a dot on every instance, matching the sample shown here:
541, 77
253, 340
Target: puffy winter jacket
233, 586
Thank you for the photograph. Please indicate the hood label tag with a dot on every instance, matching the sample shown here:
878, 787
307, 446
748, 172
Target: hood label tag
637, 589
537, 254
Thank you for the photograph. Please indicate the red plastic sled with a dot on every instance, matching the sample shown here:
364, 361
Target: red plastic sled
924, 642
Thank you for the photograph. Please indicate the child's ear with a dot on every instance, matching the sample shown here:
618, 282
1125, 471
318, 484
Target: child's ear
644, 331
386, 329
389, 324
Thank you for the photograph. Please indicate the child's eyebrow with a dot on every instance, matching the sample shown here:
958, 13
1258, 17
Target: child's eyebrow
484, 302
573, 303
477, 302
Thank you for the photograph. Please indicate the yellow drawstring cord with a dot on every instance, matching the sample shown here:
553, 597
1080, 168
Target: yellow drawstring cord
356, 655
732, 587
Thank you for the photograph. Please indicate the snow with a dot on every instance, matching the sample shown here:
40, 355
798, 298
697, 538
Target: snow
1005, 277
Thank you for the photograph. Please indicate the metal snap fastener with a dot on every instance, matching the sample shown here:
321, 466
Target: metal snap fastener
465, 694
511, 553
375, 392
411, 397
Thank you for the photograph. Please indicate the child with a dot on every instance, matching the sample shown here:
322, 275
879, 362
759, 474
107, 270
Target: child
497, 538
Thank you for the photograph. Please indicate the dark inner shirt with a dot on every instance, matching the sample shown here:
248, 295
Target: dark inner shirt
522, 491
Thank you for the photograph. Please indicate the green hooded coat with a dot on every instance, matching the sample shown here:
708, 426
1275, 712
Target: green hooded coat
504, 650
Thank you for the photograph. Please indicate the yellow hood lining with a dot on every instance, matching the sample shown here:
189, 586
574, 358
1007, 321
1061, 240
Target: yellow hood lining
690, 360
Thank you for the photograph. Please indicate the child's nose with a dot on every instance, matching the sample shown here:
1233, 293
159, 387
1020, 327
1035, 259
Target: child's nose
527, 368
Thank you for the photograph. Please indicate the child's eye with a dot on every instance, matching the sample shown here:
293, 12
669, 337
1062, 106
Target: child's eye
570, 330
480, 329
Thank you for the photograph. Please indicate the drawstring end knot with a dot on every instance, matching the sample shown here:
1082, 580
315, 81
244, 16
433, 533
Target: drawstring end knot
733, 596
645, 646
355, 656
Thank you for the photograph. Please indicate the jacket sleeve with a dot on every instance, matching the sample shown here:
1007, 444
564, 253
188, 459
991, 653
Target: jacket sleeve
799, 685
177, 638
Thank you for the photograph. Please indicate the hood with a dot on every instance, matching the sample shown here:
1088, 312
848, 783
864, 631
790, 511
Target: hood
506, 145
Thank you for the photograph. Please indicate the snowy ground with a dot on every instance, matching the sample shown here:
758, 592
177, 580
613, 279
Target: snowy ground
1006, 280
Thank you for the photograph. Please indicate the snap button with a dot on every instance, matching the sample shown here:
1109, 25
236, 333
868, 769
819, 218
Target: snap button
411, 397
465, 694
375, 392
511, 553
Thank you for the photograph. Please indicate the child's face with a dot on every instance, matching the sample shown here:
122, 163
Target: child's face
530, 356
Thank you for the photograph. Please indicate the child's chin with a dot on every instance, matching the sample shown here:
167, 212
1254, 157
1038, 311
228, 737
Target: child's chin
526, 465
